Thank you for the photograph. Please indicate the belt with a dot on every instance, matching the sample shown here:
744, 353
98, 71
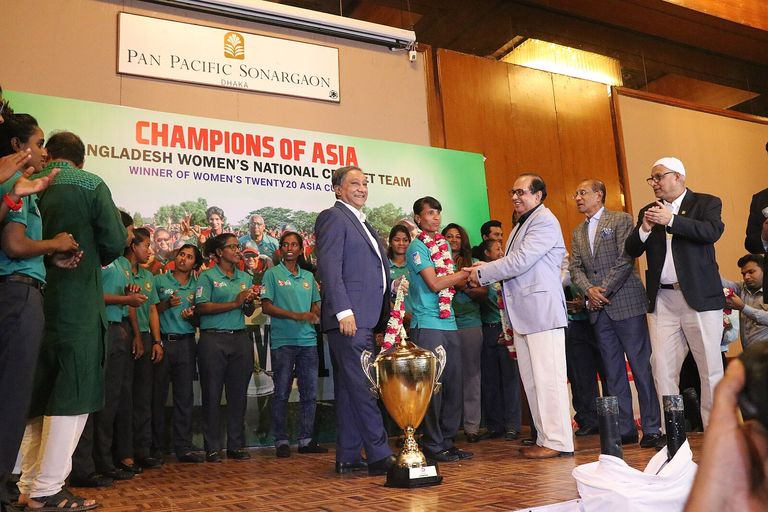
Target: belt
673, 286
223, 331
177, 337
20, 278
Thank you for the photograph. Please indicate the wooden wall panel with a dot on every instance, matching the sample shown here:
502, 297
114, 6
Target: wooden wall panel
535, 142
477, 113
587, 143
525, 120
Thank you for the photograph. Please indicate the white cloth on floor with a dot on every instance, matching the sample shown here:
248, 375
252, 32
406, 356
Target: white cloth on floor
610, 484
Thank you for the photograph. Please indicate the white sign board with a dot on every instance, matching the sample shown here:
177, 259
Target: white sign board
184, 52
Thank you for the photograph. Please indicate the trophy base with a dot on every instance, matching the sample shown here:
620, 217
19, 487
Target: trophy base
410, 478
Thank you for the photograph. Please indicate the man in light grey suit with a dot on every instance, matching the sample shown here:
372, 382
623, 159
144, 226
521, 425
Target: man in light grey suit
535, 304
617, 303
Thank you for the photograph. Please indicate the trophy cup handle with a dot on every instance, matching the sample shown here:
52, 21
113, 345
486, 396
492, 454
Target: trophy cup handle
365, 362
440, 353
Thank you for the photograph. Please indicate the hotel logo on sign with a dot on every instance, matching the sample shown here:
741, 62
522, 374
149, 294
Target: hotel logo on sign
190, 53
234, 46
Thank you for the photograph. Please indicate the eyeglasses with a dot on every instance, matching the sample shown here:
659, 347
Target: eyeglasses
581, 193
234, 247
160, 240
518, 192
657, 177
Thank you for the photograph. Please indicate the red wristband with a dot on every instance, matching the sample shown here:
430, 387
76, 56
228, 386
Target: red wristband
13, 206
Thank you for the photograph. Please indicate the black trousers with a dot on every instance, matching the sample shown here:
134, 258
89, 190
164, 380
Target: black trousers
583, 360
500, 383
21, 332
226, 364
142, 400
443, 418
178, 369
94, 450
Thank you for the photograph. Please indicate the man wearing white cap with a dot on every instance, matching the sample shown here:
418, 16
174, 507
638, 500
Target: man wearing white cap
678, 233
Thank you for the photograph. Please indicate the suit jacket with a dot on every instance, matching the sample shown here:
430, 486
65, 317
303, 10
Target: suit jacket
609, 266
753, 241
349, 269
696, 228
530, 274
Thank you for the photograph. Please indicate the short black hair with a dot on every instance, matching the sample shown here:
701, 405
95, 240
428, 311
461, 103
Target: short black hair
485, 229
196, 252
16, 126
286, 234
754, 258
126, 218
486, 246
537, 184
66, 146
430, 201
338, 175
218, 211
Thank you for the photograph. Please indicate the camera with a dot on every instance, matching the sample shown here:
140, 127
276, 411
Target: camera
753, 399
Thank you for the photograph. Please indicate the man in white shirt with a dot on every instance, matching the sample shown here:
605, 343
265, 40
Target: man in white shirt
678, 234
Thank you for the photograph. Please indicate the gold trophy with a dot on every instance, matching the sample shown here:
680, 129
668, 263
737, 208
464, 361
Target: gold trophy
406, 377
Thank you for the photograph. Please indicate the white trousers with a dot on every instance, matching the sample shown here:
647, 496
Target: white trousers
675, 328
541, 359
47, 448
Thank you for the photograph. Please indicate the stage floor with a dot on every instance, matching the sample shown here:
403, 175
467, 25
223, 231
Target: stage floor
498, 478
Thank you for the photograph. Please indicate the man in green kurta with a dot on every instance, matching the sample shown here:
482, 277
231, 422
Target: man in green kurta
69, 381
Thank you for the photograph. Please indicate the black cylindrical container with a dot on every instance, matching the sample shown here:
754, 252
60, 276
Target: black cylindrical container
608, 419
674, 421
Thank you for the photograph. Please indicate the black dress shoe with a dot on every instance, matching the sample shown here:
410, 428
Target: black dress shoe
441, 456
118, 474
283, 451
150, 463
239, 454
312, 447
213, 457
651, 440
528, 441
630, 439
587, 431
461, 454
381, 466
511, 434
133, 468
348, 467
92, 480
472, 438
191, 457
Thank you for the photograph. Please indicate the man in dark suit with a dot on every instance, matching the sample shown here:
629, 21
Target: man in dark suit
355, 286
617, 303
678, 234
756, 241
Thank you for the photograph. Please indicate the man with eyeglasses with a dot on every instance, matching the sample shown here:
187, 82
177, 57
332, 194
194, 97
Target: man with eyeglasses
257, 238
617, 306
162, 252
534, 300
678, 234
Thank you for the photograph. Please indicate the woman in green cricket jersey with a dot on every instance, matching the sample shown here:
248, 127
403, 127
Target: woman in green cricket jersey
466, 307
147, 349
225, 351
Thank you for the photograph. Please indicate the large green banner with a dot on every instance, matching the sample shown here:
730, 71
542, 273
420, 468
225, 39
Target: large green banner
162, 167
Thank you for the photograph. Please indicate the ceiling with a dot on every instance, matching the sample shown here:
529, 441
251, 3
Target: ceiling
662, 45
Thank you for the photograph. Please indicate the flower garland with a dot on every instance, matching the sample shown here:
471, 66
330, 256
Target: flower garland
441, 258
395, 332
506, 331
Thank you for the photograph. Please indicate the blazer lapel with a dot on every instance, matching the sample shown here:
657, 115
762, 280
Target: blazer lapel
601, 223
356, 223
688, 200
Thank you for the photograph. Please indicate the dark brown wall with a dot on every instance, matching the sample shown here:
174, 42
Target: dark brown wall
524, 120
